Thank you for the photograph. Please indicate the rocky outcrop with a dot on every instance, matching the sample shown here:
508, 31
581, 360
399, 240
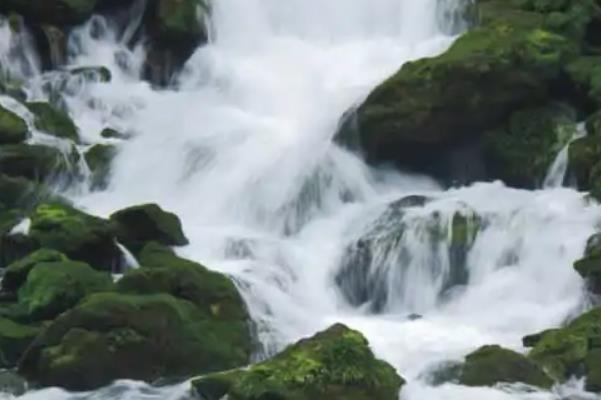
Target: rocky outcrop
336, 364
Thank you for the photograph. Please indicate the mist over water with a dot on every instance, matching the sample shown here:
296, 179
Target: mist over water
240, 147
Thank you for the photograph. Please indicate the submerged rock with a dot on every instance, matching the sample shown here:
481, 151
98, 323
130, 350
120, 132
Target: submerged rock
53, 121
336, 364
379, 266
148, 222
111, 336
13, 128
490, 365
99, 158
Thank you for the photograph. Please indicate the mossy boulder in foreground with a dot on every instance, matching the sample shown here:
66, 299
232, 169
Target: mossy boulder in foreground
111, 336
16, 273
490, 365
336, 364
14, 340
572, 350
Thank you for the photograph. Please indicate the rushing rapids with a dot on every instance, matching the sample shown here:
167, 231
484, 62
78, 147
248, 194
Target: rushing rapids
240, 146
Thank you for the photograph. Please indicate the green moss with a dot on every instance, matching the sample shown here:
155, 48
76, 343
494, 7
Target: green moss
54, 287
99, 158
16, 273
335, 364
14, 340
53, 121
521, 151
78, 235
148, 222
13, 128
112, 336
490, 365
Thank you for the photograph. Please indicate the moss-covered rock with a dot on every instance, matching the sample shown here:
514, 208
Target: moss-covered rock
80, 236
563, 352
583, 155
212, 292
54, 287
35, 162
336, 364
112, 336
585, 75
490, 365
51, 11
16, 273
148, 222
521, 151
110, 133
14, 340
13, 128
589, 267
99, 158
174, 21
53, 121
433, 105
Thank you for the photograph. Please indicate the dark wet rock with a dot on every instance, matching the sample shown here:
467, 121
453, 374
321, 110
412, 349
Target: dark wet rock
99, 158
34, 162
53, 121
336, 364
148, 222
490, 365
59, 12
13, 128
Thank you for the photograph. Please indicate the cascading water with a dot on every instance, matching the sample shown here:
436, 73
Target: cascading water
241, 149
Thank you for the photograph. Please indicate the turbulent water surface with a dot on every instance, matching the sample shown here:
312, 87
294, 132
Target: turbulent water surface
241, 149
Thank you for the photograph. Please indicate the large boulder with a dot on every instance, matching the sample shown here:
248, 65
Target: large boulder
148, 222
434, 105
99, 158
521, 150
13, 128
336, 364
53, 121
571, 350
54, 287
113, 336
490, 365
79, 235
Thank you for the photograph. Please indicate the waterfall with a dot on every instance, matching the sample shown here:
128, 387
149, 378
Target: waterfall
241, 149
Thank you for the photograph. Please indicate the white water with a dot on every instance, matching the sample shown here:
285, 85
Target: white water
242, 152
